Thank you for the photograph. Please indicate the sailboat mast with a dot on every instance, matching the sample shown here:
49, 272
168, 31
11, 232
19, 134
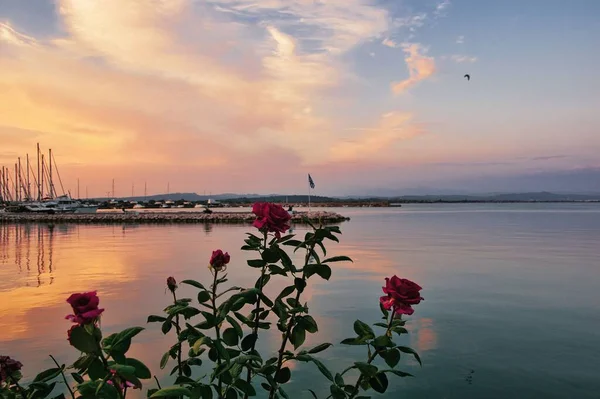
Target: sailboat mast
39, 186
20, 181
28, 181
51, 183
42, 192
78, 197
16, 184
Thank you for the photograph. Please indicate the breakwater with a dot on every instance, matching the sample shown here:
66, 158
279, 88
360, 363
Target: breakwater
160, 217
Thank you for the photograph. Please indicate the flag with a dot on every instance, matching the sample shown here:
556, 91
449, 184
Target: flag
311, 183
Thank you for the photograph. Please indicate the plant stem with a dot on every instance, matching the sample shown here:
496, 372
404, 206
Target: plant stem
107, 368
217, 328
290, 325
157, 383
63, 376
19, 387
371, 358
256, 314
178, 329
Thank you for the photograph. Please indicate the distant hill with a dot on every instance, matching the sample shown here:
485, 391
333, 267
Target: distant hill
250, 198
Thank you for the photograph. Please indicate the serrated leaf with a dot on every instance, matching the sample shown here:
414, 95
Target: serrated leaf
379, 383
338, 259
368, 370
363, 330
309, 324
194, 283
353, 341
410, 351
319, 348
173, 391
382, 341
298, 336
82, 341
391, 357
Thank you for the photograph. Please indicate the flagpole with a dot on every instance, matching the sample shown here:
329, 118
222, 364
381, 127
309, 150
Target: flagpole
309, 196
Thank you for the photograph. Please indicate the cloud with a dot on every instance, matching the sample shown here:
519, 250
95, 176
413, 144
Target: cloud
10, 36
389, 43
460, 40
549, 157
393, 127
463, 59
420, 67
440, 8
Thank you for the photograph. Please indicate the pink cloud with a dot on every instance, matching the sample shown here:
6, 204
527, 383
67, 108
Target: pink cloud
420, 67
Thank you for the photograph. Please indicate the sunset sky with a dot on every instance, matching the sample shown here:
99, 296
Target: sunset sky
251, 95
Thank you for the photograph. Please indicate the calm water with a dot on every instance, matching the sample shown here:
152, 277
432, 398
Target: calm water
512, 292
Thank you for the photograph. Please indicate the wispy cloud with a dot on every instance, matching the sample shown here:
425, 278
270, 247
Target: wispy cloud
460, 40
389, 43
441, 7
463, 59
420, 67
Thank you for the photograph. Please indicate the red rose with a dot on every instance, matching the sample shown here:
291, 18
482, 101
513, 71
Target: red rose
8, 367
401, 294
171, 284
271, 217
219, 259
85, 308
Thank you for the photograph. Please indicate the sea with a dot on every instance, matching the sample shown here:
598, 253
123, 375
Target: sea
511, 309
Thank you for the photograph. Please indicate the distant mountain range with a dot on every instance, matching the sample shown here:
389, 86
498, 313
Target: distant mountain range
495, 197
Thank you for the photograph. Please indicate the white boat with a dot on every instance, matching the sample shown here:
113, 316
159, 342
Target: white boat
65, 203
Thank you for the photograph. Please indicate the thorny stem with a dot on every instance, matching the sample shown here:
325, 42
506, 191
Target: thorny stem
256, 314
372, 357
290, 325
107, 368
63, 376
178, 329
217, 328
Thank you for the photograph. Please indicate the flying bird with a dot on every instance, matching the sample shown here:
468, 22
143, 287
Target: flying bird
468, 76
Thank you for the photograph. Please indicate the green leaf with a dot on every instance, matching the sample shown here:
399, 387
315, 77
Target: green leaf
199, 342
309, 324
231, 394
368, 370
323, 369
164, 360
400, 330
166, 327
410, 351
194, 284
236, 326
283, 375
293, 243
245, 387
298, 336
286, 292
248, 342
173, 391
337, 259
155, 319
230, 337
384, 311
353, 341
322, 270
283, 393
270, 255
379, 382
47, 375
141, 371
222, 351
259, 263
313, 393
82, 341
300, 284
262, 281
203, 296
382, 341
337, 392
319, 348
339, 380
78, 378
96, 370
391, 357
363, 330
399, 373
123, 370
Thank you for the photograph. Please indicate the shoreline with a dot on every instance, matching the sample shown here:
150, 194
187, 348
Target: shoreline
160, 218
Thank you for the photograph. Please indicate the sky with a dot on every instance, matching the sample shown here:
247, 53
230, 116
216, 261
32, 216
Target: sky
249, 96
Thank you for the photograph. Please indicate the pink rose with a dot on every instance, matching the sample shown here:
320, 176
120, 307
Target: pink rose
85, 308
401, 294
271, 217
219, 259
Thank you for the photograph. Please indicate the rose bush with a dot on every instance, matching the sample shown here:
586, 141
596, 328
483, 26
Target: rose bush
221, 327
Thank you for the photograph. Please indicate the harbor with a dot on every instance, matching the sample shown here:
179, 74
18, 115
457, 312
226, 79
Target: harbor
132, 217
